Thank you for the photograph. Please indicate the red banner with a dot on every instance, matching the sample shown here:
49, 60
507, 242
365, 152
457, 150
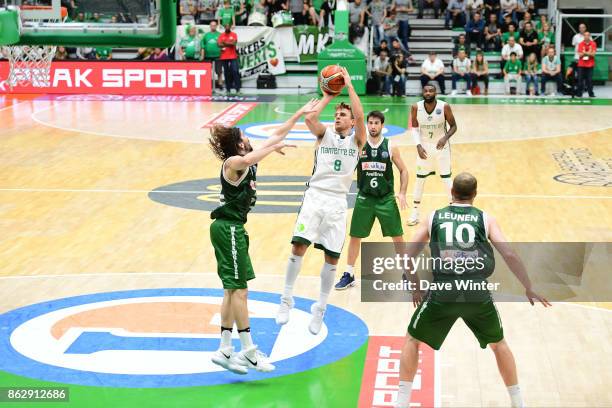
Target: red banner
122, 78
380, 380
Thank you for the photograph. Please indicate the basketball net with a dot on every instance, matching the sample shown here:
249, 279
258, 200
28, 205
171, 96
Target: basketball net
30, 64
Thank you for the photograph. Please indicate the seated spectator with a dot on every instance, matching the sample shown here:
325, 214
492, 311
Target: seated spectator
510, 33
475, 31
226, 14
480, 71
551, 70
384, 46
461, 45
508, 7
540, 23
526, 19
326, 13
95, 18
546, 38
492, 34
474, 6
529, 41
143, 53
80, 18
259, 13
403, 8
461, 72
309, 15
525, 6
432, 69
455, 12
396, 50
159, 55
532, 73
61, 54
377, 11
104, 53
211, 52
188, 11
124, 18
399, 66
511, 47
390, 26
207, 10
86, 53
381, 72
356, 20
435, 4
491, 7
512, 72
189, 45
505, 25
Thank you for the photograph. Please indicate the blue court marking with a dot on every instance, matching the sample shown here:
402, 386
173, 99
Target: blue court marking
347, 333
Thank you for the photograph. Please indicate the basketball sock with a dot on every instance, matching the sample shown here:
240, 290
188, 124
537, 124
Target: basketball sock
350, 269
419, 184
245, 338
516, 399
403, 394
293, 270
448, 183
226, 337
328, 274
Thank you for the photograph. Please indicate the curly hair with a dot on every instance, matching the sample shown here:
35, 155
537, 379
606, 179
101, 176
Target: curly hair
224, 141
346, 106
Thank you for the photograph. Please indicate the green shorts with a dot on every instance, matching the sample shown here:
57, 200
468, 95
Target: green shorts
368, 208
231, 243
432, 321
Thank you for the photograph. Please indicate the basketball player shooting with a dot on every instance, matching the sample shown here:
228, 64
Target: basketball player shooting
322, 216
429, 132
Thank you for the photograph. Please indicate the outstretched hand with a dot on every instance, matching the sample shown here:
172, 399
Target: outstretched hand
346, 77
310, 107
278, 148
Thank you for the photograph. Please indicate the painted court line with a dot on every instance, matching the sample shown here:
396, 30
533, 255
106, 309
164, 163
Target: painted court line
121, 191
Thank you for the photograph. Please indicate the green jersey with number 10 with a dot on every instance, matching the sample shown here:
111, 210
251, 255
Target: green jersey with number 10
375, 169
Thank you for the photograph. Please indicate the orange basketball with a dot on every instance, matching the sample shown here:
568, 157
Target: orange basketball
331, 79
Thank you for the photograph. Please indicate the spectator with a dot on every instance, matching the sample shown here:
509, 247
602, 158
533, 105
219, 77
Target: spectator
461, 72
381, 73
95, 18
508, 49
188, 10
80, 18
259, 13
510, 33
61, 54
480, 71
309, 14
546, 38
531, 71
505, 25
189, 45
403, 8
526, 19
475, 31
211, 51
492, 34
104, 53
390, 26
474, 6
512, 72
461, 45
356, 19
143, 54
508, 7
399, 67
435, 4
384, 46
226, 14
396, 50
529, 41
491, 7
551, 70
578, 38
586, 52
455, 12
124, 18
229, 58
326, 13
377, 10
432, 69
240, 12
159, 55
296, 6
540, 23
525, 6
207, 10
86, 53
70, 7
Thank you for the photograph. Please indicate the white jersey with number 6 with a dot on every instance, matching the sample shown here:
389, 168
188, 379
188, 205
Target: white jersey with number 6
432, 126
335, 161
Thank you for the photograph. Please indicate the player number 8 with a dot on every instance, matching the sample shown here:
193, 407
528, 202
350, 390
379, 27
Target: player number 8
337, 165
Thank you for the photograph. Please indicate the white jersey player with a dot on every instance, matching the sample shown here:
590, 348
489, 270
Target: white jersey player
428, 122
322, 217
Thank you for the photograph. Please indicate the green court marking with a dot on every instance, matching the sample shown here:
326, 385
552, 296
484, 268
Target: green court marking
333, 385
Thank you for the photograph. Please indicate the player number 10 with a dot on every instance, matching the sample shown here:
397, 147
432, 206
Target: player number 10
448, 233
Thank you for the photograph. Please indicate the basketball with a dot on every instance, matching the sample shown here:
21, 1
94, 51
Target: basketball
331, 80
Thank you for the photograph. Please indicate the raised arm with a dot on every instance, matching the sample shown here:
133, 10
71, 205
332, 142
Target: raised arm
359, 116
513, 261
281, 132
396, 157
238, 163
312, 119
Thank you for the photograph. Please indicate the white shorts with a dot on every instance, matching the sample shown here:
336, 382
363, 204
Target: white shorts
322, 221
437, 161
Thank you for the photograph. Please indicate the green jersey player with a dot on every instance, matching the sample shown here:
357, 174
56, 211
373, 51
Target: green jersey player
461, 230
376, 198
